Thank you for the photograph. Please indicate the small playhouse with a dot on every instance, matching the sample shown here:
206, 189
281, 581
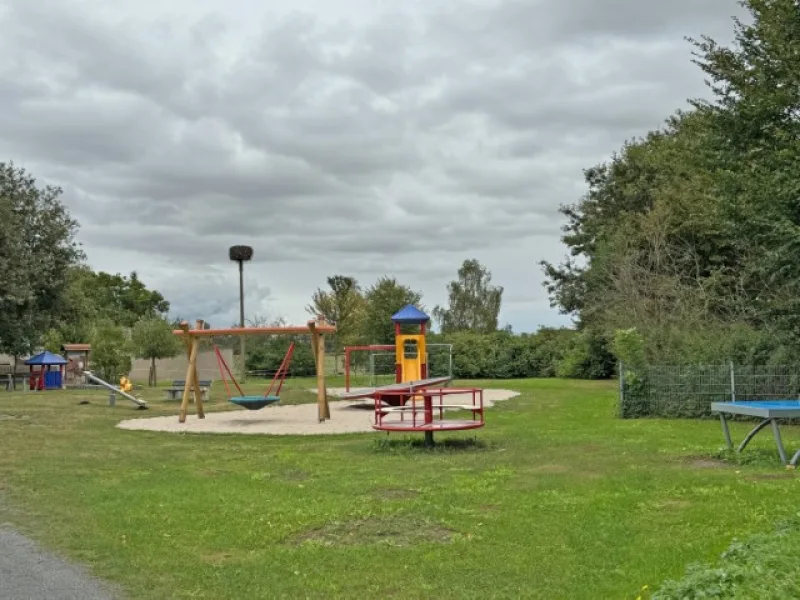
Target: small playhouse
43, 376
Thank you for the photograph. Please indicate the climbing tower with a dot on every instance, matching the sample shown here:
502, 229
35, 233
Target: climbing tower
411, 362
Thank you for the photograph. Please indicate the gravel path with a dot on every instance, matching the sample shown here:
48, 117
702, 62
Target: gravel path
299, 419
29, 573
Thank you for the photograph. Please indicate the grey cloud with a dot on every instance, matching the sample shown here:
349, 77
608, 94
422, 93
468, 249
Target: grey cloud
383, 143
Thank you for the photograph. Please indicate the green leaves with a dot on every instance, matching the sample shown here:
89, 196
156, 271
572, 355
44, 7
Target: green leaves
693, 228
384, 299
474, 304
36, 249
152, 338
111, 350
343, 305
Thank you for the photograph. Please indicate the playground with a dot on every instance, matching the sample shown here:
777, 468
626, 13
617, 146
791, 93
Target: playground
414, 403
318, 477
298, 419
601, 506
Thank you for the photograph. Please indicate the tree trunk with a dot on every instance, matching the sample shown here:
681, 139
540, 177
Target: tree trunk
153, 378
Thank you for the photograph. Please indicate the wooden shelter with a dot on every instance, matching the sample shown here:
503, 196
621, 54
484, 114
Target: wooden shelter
191, 340
77, 356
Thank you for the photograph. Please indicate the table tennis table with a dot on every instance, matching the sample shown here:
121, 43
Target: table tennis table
770, 411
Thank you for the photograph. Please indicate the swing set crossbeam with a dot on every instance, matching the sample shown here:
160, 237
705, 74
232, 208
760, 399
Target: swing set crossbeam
191, 340
235, 331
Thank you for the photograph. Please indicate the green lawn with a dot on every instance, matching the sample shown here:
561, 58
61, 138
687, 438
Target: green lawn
555, 498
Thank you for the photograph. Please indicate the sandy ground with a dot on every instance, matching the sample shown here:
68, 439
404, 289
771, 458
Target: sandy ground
298, 419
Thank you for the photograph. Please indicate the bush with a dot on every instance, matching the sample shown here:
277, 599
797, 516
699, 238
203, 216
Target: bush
588, 357
547, 353
267, 353
762, 567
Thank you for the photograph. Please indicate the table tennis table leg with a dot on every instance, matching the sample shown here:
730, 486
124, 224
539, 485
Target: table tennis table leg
752, 434
777, 433
726, 431
795, 459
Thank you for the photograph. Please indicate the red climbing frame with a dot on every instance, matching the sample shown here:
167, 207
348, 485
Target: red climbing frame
348, 350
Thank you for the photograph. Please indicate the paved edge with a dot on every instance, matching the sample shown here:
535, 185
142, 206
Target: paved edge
29, 573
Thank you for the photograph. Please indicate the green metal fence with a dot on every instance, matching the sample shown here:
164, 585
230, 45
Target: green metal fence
688, 390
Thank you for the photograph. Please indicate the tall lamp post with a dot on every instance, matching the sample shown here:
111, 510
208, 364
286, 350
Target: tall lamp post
241, 254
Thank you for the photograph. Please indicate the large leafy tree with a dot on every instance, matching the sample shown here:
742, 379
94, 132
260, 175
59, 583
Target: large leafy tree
756, 110
474, 303
153, 339
112, 350
385, 298
37, 248
343, 305
92, 296
695, 227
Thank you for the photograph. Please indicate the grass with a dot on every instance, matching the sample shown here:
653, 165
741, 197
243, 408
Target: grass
556, 497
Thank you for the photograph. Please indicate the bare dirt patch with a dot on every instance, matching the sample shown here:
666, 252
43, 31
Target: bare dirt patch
210, 472
552, 469
704, 462
672, 504
770, 476
395, 494
295, 475
220, 558
7, 417
390, 531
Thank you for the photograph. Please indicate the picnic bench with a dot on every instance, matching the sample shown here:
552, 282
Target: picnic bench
179, 385
10, 381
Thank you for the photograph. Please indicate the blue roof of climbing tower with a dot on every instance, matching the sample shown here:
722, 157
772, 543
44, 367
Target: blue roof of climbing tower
46, 358
410, 315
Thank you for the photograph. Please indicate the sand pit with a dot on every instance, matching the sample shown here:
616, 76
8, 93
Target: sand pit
300, 419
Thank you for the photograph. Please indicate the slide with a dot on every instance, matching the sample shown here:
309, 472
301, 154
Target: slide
96, 379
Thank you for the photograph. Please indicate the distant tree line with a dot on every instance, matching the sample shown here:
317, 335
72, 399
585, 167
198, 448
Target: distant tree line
469, 321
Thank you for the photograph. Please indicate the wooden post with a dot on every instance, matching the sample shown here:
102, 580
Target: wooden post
198, 396
190, 371
191, 375
318, 348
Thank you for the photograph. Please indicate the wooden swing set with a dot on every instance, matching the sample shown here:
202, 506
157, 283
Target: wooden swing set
191, 340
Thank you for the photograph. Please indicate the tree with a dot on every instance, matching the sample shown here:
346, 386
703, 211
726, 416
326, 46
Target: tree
383, 300
37, 247
111, 350
153, 339
474, 304
343, 305
692, 234
92, 296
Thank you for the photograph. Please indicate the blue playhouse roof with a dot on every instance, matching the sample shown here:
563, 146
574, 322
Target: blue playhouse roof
410, 315
46, 358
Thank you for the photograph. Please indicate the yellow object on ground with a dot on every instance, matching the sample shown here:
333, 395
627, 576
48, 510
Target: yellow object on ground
125, 384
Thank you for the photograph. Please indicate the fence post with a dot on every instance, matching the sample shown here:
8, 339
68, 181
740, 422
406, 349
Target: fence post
450, 360
733, 383
621, 391
372, 378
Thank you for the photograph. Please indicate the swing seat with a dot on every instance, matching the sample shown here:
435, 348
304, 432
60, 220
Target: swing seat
254, 402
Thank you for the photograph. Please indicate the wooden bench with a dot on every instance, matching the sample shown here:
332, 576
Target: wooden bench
179, 385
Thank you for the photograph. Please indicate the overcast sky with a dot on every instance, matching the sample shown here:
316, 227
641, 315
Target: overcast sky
353, 137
